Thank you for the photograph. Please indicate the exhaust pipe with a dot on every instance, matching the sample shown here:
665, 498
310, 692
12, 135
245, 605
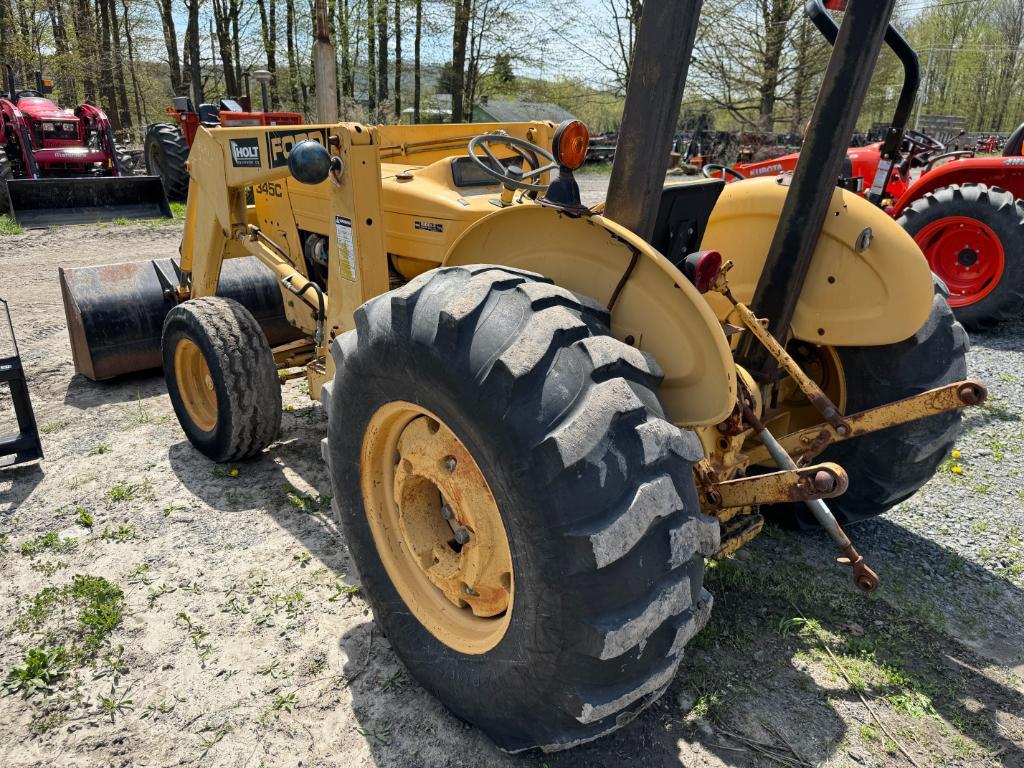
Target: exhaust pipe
115, 313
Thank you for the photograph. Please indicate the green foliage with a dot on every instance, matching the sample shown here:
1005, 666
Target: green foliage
48, 542
9, 226
40, 672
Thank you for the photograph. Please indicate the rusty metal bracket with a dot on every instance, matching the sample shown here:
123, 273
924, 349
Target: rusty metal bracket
808, 386
738, 533
821, 481
809, 442
863, 577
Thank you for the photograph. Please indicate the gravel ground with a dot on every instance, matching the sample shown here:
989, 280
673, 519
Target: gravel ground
242, 639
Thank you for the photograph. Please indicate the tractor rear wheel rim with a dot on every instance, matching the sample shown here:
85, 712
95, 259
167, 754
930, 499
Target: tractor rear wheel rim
437, 527
966, 254
195, 384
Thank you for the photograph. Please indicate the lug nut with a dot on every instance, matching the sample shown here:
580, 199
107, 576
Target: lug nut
450, 463
446, 512
461, 535
470, 591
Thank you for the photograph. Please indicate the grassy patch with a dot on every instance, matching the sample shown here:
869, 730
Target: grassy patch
9, 226
48, 543
178, 211
306, 503
70, 625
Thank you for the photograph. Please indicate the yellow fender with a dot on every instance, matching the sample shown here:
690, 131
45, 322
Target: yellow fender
658, 310
880, 295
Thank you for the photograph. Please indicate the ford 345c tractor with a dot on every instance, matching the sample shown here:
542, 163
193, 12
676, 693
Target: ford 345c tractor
542, 418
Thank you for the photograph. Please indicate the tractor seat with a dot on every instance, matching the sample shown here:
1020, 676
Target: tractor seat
209, 115
683, 215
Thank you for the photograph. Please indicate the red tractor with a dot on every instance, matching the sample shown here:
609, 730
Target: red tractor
61, 166
966, 213
168, 144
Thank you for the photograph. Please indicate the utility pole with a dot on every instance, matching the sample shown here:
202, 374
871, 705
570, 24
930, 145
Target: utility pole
325, 72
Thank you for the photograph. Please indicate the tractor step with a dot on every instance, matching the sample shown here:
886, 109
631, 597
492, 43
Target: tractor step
86, 200
24, 446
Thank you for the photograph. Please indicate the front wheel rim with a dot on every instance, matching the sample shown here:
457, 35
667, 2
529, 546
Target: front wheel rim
195, 384
966, 254
436, 527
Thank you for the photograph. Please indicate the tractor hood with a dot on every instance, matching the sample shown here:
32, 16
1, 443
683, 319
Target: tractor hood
43, 109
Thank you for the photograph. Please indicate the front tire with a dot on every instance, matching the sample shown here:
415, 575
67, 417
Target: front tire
973, 238
594, 489
221, 378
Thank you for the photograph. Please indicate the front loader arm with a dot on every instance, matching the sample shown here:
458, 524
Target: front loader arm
225, 162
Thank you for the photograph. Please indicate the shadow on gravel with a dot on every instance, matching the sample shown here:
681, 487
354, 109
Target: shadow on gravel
760, 675
17, 484
84, 394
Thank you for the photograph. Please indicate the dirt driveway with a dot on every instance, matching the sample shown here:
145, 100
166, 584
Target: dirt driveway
178, 612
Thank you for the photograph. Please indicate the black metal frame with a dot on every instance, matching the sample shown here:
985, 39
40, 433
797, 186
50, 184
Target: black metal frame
893, 141
25, 446
839, 102
661, 59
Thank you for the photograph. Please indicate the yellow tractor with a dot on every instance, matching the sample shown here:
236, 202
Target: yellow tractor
542, 418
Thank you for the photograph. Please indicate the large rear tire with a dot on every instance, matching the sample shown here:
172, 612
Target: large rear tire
221, 378
890, 466
593, 490
973, 238
166, 155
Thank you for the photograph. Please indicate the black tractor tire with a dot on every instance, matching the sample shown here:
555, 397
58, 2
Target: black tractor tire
1004, 216
6, 173
124, 160
242, 374
166, 155
891, 465
595, 490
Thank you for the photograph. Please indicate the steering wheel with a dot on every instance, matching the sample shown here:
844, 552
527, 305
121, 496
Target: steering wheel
709, 168
923, 141
512, 176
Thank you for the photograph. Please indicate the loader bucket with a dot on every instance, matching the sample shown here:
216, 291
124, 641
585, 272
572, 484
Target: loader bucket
86, 200
115, 313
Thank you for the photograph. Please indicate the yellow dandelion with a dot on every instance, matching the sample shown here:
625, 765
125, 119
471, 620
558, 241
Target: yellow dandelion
955, 454
957, 470
234, 471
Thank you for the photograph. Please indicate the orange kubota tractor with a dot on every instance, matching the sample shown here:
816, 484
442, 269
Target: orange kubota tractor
168, 144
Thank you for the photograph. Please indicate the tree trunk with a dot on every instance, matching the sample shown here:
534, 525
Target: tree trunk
68, 86
140, 100
222, 21
124, 110
776, 14
460, 32
398, 59
382, 52
236, 44
371, 55
293, 65
347, 82
268, 25
107, 67
170, 43
192, 48
416, 74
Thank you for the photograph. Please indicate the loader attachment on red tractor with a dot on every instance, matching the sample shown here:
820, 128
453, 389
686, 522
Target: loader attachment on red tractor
85, 200
64, 166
